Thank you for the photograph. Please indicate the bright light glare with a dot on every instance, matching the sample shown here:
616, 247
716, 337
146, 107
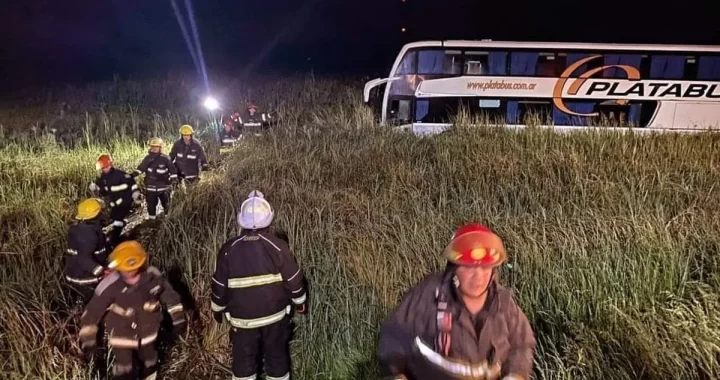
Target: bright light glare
211, 104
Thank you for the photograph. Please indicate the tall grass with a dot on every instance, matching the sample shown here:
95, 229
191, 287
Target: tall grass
613, 239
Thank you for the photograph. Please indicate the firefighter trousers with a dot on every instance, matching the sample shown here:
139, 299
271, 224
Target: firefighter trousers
275, 342
155, 197
129, 361
118, 214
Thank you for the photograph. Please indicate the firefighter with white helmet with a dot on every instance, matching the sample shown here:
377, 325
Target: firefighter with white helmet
461, 323
119, 188
130, 302
188, 155
86, 253
160, 175
255, 285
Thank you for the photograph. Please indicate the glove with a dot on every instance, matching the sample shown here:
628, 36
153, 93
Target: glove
301, 309
93, 187
218, 315
136, 195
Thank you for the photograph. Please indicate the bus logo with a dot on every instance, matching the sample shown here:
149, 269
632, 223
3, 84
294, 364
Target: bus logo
632, 73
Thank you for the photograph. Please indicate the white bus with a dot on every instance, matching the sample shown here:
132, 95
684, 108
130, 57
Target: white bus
566, 85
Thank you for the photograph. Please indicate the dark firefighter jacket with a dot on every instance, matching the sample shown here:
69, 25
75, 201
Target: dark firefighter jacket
117, 186
160, 172
505, 336
228, 138
132, 313
188, 158
86, 256
256, 279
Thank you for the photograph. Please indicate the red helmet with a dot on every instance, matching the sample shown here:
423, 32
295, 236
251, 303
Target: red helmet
104, 161
475, 245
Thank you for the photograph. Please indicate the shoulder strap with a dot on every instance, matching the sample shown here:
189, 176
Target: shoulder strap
444, 322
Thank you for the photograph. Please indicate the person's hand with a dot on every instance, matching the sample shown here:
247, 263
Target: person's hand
107, 272
93, 187
301, 309
136, 195
88, 346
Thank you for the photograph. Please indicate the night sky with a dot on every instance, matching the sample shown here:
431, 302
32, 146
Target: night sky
51, 41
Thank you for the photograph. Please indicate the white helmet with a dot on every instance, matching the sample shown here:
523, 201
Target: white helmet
255, 213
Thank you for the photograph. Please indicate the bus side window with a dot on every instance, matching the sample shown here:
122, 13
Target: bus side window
708, 68
408, 64
667, 66
476, 63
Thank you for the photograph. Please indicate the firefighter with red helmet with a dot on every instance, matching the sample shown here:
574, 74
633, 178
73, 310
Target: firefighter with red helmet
119, 188
253, 121
256, 281
130, 302
460, 323
229, 135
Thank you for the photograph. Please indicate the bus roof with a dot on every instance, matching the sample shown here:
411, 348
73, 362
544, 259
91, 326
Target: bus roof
561, 45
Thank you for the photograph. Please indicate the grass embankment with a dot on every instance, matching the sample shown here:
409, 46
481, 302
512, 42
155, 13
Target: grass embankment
613, 239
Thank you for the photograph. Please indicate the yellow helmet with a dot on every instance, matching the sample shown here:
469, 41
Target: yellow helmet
88, 209
128, 256
186, 130
156, 141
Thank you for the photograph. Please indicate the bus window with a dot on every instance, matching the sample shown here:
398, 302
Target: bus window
632, 60
485, 63
708, 68
448, 62
667, 67
523, 63
409, 64
571, 58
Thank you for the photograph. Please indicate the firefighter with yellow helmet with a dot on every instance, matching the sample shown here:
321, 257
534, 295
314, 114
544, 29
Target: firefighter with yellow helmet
160, 174
256, 283
86, 255
460, 323
188, 155
119, 188
130, 302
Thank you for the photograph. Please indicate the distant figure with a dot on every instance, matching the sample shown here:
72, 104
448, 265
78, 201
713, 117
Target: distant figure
229, 135
188, 156
252, 121
461, 323
120, 189
160, 176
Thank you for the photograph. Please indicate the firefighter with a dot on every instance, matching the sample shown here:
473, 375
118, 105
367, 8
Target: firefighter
120, 189
129, 301
256, 281
461, 323
86, 255
161, 175
254, 121
188, 156
229, 135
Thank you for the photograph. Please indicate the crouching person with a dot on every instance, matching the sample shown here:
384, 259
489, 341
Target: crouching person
129, 300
